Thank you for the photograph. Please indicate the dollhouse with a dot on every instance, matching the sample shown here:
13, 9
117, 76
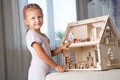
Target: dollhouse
95, 45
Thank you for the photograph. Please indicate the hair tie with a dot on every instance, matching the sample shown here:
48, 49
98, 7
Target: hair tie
25, 9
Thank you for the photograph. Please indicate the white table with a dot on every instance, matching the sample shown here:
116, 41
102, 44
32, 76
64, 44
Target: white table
113, 74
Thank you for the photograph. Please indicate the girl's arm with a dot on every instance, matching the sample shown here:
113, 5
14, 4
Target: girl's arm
59, 49
46, 58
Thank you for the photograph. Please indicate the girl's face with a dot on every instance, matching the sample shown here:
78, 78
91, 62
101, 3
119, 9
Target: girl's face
34, 19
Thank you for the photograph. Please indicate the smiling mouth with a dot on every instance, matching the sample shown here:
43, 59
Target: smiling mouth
37, 24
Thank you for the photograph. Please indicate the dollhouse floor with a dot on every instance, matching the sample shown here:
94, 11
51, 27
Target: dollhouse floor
113, 74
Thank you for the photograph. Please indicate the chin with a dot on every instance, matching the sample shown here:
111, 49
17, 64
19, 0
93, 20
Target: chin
37, 27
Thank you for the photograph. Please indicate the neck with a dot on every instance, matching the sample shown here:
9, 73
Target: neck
37, 30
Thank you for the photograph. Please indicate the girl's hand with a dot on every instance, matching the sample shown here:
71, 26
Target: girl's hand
65, 46
58, 68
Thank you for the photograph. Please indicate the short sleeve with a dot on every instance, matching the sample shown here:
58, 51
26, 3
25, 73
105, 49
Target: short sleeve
32, 37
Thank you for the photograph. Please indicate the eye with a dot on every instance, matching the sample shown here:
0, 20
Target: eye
39, 17
33, 18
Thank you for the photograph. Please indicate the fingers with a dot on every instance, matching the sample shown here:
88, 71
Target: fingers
67, 44
59, 68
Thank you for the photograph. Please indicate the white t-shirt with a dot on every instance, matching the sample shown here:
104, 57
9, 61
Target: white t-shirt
38, 68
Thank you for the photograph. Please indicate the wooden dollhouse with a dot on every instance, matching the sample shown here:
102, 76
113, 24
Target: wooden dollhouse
95, 45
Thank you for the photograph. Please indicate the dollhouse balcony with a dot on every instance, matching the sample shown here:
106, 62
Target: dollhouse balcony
83, 44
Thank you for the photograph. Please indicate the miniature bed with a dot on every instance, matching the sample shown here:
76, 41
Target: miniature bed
113, 74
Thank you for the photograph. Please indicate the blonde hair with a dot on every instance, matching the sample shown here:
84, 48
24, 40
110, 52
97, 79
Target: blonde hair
30, 7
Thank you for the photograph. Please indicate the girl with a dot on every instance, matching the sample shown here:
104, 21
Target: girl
38, 44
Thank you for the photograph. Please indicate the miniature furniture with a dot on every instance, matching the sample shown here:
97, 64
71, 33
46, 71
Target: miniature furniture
95, 45
113, 74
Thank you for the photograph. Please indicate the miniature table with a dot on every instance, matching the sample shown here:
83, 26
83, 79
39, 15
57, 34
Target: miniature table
113, 74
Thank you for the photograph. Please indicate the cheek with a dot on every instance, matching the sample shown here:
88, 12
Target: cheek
26, 22
42, 21
30, 22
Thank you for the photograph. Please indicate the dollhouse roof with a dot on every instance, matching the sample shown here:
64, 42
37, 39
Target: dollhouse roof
90, 32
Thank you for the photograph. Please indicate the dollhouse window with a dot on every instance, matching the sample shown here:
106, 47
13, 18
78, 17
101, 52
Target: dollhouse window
72, 56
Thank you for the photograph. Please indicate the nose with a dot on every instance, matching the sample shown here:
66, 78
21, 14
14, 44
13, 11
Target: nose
37, 19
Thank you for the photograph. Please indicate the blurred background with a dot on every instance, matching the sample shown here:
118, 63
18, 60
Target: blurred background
14, 55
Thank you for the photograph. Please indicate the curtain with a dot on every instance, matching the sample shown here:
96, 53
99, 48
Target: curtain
14, 56
2, 61
82, 11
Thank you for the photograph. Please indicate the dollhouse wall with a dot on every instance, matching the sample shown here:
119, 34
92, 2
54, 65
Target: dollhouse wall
108, 63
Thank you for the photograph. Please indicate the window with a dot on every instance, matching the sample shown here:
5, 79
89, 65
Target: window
64, 13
